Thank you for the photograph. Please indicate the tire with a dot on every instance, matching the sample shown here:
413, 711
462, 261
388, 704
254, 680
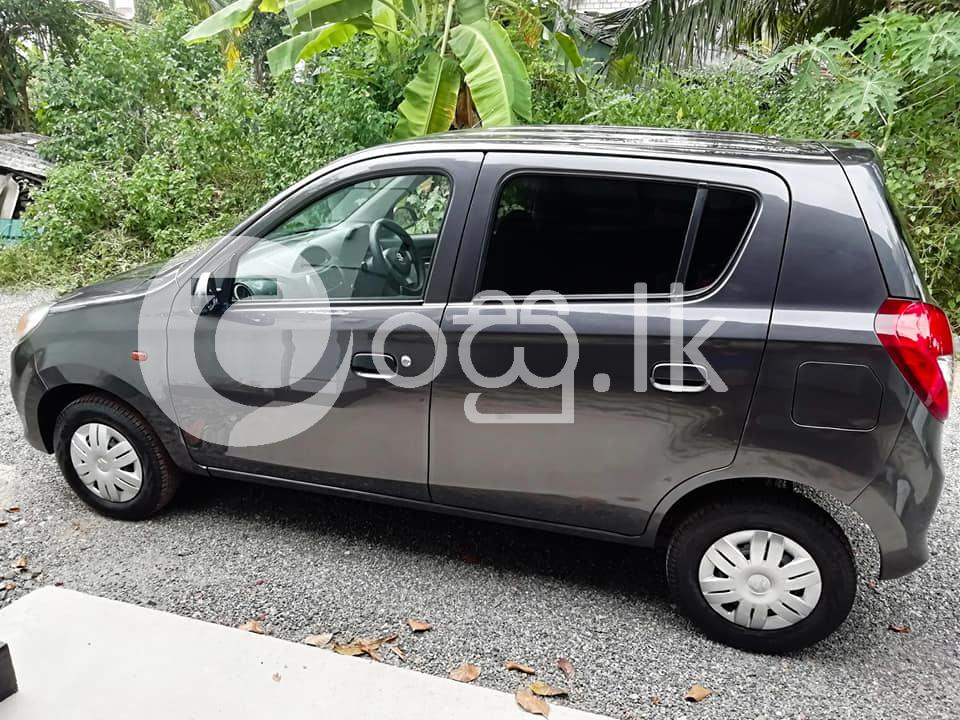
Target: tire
773, 598
159, 477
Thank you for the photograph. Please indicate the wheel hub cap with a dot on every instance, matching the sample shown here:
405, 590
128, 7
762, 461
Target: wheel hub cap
760, 579
106, 462
758, 584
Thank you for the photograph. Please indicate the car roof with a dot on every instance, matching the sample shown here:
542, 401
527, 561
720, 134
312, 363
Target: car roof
615, 140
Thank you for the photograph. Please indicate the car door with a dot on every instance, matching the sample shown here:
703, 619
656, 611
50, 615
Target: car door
279, 373
597, 442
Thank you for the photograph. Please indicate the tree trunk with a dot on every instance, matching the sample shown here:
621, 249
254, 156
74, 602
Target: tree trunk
15, 115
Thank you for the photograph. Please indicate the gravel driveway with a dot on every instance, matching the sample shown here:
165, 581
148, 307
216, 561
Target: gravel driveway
227, 553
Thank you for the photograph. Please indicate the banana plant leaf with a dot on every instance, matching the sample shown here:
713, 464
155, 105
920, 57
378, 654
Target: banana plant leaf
309, 14
471, 10
430, 99
236, 14
284, 56
494, 72
569, 48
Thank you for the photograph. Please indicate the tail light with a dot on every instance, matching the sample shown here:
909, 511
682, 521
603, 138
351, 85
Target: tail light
918, 338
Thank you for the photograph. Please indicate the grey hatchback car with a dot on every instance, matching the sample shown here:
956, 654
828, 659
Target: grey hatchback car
685, 340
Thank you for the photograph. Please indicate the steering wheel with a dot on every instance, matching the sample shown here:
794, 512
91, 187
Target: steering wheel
402, 267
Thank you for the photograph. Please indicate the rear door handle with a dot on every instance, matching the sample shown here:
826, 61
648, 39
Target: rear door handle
364, 365
679, 377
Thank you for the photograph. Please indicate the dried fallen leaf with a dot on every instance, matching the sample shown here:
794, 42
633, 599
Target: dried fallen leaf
398, 652
546, 689
697, 693
419, 625
376, 642
531, 703
13, 509
372, 652
655, 700
10, 585
318, 640
465, 673
254, 626
566, 667
276, 677
902, 629
351, 649
511, 665
21, 563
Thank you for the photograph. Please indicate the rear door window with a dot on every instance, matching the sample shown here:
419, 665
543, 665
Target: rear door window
589, 235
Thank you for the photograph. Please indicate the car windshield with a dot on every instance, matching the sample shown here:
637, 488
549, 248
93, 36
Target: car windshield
332, 209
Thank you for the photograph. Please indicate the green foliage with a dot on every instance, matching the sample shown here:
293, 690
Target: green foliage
717, 101
896, 83
237, 14
28, 30
157, 148
108, 105
264, 32
456, 41
430, 99
308, 14
493, 71
471, 10
284, 56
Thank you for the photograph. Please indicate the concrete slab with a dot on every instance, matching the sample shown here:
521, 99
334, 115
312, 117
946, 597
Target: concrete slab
83, 657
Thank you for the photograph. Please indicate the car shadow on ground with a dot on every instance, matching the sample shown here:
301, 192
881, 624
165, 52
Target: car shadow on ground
613, 567
630, 573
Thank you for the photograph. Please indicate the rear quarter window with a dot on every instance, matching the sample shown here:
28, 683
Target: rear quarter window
723, 225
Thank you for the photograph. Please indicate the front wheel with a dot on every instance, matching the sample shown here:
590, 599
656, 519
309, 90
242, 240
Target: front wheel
773, 573
113, 459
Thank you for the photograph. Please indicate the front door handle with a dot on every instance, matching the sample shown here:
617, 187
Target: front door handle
679, 377
364, 365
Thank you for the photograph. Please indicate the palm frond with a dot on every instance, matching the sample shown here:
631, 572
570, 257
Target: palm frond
673, 32
678, 33
840, 15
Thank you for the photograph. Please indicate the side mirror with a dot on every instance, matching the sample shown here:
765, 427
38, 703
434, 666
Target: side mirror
204, 294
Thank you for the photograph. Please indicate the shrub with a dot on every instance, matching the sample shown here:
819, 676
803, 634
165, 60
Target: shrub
896, 83
157, 147
714, 100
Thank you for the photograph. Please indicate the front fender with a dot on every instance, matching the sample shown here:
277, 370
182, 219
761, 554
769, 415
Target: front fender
64, 383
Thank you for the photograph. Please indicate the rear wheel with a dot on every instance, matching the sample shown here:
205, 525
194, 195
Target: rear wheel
771, 573
113, 459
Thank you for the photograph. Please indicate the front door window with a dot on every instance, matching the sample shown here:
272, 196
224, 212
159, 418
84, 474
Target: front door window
368, 240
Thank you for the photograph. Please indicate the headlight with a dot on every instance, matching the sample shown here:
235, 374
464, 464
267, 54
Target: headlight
31, 318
